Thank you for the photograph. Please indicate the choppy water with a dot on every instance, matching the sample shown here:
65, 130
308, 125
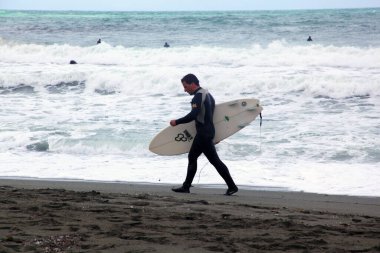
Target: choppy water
94, 120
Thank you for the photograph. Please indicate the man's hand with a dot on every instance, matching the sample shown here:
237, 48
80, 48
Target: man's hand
173, 123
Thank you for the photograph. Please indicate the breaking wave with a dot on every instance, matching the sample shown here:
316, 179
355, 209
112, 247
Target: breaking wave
315, 70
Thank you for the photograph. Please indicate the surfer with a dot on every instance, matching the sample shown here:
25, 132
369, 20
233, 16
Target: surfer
99, 41
309, 39
202, 111
166, 44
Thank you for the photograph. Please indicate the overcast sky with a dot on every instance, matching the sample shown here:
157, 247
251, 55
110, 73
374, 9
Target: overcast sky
186, 5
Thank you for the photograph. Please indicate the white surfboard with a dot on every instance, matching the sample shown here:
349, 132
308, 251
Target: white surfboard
229, 118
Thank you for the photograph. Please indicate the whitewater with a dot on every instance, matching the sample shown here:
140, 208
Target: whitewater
94, 120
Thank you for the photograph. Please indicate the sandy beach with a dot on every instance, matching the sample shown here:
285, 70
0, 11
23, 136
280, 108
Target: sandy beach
65, 216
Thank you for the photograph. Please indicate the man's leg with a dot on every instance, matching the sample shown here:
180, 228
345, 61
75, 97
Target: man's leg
211, 154
195, 152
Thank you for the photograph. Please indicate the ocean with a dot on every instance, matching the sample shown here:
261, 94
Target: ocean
94, 120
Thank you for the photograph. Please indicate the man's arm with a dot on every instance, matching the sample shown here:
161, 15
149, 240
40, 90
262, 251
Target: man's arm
196, 104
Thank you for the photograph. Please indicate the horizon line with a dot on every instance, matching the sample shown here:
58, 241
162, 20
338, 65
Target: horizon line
211, 10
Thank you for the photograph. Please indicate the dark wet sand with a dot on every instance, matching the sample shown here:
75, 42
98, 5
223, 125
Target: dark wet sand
49, 216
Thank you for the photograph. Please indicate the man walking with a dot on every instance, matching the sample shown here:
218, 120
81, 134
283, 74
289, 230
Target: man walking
202, 111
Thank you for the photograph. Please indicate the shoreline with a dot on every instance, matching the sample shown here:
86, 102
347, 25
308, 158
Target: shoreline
336, 203
72, 216
196, 185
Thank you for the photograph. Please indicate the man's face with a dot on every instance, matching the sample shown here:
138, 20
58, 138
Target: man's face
189, 87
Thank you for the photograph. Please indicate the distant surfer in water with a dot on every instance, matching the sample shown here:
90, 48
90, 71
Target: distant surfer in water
166, 44
202, 111
309, 39
99, 41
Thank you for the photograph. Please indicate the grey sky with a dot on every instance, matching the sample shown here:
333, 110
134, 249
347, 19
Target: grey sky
173, 5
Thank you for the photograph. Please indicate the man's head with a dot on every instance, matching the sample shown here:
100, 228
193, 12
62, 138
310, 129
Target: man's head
190, 83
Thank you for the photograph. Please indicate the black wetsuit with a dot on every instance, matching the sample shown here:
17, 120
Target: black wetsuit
203, 105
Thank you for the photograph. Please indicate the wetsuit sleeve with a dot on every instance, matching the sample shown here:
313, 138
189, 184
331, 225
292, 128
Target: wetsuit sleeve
196, 104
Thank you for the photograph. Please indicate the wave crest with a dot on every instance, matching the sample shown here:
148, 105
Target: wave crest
313, 69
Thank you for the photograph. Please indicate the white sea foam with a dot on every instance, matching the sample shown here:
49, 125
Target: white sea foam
277, 53
315, 69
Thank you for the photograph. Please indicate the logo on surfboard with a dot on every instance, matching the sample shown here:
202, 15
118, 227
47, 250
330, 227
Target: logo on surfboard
184, 136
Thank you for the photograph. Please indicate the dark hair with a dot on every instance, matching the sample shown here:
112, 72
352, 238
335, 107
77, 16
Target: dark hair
190, 78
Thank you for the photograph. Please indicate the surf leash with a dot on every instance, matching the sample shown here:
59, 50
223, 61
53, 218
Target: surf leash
199, 175
261, 123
